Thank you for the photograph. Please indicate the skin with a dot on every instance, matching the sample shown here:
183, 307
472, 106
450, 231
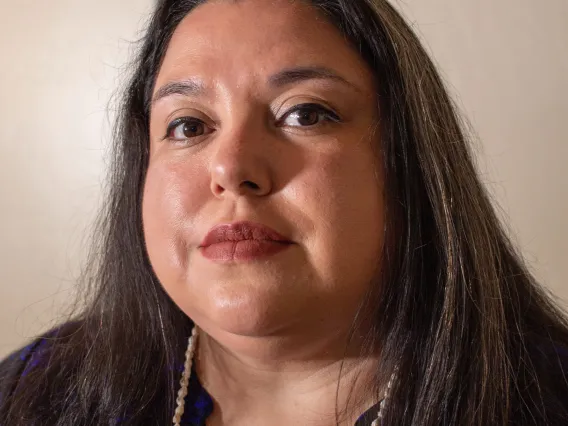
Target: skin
273, 330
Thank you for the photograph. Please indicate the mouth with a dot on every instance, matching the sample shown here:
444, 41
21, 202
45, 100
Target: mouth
242, 241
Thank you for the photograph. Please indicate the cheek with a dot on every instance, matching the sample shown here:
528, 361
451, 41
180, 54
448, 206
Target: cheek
169, 206
343, 196
346, 191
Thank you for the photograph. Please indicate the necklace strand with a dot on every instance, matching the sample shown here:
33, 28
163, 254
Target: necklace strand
185, 376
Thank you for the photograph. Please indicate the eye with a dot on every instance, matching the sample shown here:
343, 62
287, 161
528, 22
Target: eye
308, 115
185, 128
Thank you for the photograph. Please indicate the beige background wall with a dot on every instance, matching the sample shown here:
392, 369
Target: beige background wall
506, 61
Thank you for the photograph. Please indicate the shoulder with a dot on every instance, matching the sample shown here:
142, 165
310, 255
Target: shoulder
32, 359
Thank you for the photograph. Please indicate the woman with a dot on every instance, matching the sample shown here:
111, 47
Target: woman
293, 192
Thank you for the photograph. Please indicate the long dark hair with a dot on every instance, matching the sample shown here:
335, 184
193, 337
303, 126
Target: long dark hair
475, 339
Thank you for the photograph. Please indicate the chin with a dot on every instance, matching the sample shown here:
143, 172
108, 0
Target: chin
241, 308
246, 315
247, 300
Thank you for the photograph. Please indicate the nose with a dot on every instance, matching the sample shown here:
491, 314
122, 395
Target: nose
241, 163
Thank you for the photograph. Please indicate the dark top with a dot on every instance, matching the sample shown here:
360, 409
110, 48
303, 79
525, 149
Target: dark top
198, 403
551, 362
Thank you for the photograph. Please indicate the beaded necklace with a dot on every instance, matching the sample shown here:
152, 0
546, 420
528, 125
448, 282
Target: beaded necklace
184, 382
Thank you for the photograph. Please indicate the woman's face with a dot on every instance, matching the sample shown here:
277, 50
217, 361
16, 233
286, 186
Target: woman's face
263, 113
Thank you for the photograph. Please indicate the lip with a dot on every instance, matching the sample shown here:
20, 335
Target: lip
240, 231
242, 241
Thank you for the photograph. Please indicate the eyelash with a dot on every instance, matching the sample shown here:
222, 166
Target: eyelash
324, 113
327, 114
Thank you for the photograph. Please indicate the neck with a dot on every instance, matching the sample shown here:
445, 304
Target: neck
270, 380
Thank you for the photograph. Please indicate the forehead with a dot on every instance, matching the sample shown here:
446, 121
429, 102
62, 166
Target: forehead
242, 41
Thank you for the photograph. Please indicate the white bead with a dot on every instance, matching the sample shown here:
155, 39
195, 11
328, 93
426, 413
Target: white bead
185, 376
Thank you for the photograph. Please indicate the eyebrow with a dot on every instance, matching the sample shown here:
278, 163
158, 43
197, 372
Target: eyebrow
194, 87
189, 87
298, 74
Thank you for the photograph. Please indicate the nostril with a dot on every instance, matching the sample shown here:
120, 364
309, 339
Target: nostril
251, 184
